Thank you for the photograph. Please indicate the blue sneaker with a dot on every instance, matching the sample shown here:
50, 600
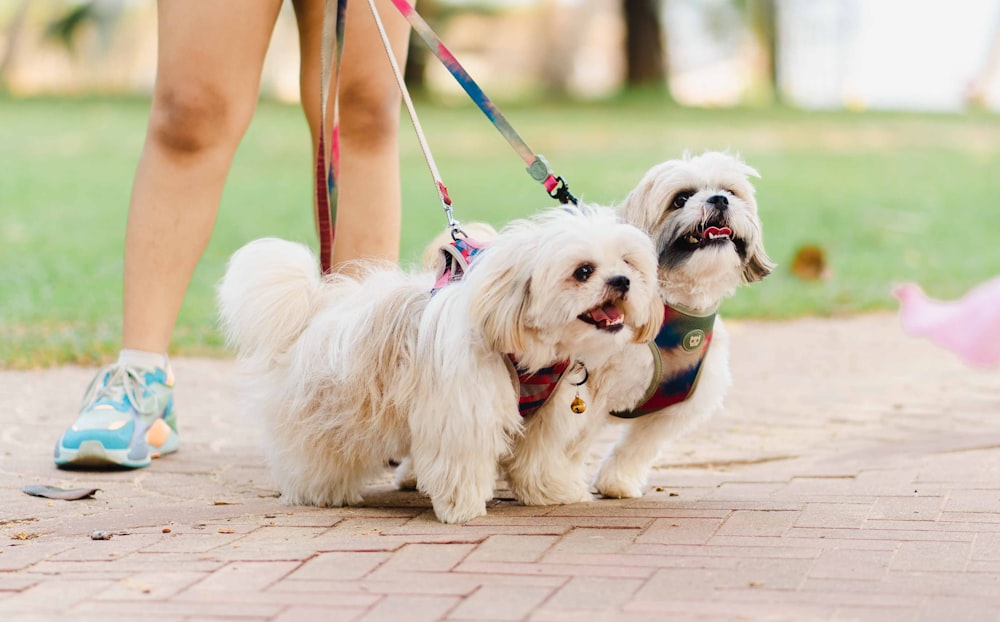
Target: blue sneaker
127, 418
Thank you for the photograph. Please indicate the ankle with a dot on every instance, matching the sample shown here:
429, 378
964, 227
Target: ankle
143, 359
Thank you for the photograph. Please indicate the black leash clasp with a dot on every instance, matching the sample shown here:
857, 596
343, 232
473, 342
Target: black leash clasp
562, 193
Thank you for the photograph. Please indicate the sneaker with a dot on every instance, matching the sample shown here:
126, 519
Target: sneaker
127, 418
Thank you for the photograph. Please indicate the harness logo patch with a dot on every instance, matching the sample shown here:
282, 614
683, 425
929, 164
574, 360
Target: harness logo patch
693, 340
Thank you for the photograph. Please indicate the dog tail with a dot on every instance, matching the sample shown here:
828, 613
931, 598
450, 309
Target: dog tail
267, 296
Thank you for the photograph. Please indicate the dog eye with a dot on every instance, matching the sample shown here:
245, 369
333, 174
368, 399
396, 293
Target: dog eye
583, 272
681, 199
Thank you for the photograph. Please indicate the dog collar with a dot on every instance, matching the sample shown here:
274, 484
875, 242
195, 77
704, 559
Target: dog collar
536, 388
684, 337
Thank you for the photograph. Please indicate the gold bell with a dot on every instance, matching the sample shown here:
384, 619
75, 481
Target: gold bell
578, 405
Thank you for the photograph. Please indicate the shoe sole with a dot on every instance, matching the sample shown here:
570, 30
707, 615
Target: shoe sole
92, 454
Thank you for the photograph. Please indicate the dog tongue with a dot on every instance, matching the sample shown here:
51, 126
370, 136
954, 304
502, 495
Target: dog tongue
608, 313
716, 231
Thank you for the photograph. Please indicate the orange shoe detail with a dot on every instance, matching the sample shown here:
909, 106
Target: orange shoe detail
158, 434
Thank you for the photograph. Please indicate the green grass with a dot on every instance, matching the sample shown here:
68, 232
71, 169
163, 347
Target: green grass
887, 196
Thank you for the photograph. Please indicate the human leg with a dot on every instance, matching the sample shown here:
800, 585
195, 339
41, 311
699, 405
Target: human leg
368, 211
208, 75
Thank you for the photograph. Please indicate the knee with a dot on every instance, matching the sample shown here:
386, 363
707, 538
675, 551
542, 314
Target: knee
189, 119
369, 116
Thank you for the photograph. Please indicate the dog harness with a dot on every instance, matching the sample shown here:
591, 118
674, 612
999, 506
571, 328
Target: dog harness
457, 257
535, 389
684, 338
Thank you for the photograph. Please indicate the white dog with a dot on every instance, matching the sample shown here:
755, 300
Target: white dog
702, 217
349, 372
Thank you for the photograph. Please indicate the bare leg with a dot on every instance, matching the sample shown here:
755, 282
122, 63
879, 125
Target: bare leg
368, 211
206, 91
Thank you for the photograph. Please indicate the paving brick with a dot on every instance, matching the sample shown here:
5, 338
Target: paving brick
977, 501
834, 515
51, 596
25, 555
509, 548
320, 614
635, 560
680, 531
151, 586
501, 602
895, 535
907, 508
932, 556
177, 610
428, 557
587, 540
339, 566
717, 547
246, 576
944, 608
755, 523
852, 564
566, 570
412, 608
588, 594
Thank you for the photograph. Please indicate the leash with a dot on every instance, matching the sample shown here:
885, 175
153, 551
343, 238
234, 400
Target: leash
334, 17
457, 255
439, 186
538, 166
327, 168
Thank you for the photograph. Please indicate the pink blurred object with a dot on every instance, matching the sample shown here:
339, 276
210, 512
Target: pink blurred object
969, 326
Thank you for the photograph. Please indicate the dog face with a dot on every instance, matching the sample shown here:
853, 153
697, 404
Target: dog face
702, 216
569, 281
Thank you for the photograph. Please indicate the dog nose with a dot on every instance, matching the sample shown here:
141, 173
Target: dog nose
619, 283
718, 201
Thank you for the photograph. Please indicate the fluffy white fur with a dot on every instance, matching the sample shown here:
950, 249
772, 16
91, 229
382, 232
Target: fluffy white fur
548, 462
349, 372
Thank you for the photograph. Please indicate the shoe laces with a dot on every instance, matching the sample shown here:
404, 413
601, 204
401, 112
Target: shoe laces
117, 383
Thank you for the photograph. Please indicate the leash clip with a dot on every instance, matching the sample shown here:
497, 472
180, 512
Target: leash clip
562, 193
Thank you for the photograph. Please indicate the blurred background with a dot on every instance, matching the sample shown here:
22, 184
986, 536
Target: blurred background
815, 54
874, 125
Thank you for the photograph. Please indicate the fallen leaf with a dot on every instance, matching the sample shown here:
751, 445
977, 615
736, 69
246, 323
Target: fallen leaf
24, 535
226, 530
54, 492
809, 264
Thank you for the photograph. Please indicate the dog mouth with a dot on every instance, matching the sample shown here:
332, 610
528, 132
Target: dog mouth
607, 317
710, 235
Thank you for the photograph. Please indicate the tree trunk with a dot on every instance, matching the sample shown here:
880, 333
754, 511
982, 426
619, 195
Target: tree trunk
415, 71
644, 44
978, 93
763, 16
13, 34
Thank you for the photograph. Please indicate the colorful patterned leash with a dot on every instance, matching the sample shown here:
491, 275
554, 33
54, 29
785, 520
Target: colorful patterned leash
538, 166
327, 169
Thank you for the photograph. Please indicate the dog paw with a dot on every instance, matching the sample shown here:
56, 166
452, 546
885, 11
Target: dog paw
552, 496
455, 514
618, 487
405, 478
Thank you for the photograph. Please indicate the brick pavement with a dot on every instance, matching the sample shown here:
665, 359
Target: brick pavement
854, 476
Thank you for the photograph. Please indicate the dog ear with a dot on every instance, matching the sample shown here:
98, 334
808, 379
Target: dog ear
758, 264
501, 307
648, 330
